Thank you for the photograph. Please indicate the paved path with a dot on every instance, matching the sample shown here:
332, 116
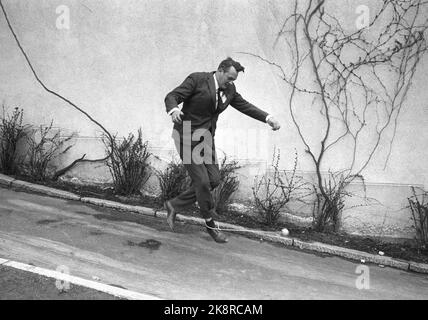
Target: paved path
140, 253
16, 284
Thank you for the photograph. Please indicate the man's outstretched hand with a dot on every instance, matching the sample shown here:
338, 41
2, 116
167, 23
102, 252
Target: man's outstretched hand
273, 123
176, 116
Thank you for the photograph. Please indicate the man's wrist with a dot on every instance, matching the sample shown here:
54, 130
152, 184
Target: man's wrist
269, 116
172, 110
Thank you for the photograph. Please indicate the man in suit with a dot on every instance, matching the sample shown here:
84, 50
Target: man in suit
204, 96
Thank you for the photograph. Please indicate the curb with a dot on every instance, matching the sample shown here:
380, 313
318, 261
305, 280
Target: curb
418, 267
45, 190
361, 256
352, 254
101, 287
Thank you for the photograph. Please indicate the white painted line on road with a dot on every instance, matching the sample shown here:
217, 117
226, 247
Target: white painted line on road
3, 261
115, 291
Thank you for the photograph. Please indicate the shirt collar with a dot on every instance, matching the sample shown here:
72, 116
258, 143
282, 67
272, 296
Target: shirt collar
216, 83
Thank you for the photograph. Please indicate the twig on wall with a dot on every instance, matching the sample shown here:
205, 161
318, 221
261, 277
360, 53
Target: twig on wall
64, 170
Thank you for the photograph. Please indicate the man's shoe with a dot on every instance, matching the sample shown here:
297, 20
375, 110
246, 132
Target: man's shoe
217, 235
170, 217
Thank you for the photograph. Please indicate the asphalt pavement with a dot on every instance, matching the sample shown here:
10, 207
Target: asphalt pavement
140, 253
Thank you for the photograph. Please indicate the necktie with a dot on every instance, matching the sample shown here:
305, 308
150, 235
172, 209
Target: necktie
219, 101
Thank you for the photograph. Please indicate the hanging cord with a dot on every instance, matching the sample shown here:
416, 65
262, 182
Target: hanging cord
53, 92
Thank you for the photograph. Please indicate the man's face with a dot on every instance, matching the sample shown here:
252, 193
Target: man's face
225, 77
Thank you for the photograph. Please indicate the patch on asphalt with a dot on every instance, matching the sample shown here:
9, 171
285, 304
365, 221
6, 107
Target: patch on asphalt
150, 244
47, 221
135, 218
96, 232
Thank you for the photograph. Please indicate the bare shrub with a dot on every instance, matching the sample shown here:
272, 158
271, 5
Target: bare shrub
128, 163
229, 183
271, 194
173, 180
44, 146
12, 132
419, 208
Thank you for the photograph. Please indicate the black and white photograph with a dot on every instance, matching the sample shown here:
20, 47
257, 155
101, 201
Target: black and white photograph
211, 157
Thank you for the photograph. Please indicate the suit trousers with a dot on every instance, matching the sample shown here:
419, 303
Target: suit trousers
204, 178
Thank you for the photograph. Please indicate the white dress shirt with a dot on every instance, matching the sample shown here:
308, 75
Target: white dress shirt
222, 95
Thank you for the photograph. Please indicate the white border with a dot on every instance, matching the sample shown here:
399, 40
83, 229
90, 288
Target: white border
112, 290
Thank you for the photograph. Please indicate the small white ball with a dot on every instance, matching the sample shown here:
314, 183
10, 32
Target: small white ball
285, 232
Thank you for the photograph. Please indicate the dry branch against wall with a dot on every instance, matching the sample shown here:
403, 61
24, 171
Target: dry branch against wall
44, 145
418, 204
12, 132
359, 79
107, 133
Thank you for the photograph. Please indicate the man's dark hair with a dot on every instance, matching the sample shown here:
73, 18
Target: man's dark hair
229, 62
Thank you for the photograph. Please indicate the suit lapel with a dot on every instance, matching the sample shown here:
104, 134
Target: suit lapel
211, 86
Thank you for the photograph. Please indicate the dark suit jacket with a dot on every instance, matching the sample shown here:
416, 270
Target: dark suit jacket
198, 95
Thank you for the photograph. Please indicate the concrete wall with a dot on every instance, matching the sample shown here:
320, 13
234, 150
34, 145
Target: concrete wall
118, 59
